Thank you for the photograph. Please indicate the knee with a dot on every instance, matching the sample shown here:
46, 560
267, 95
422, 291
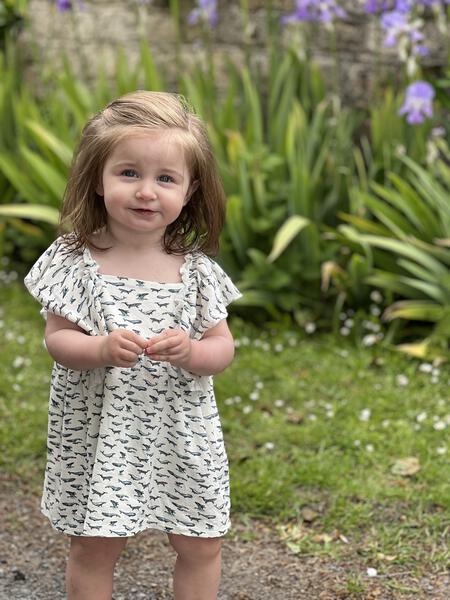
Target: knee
96, 551
192, 549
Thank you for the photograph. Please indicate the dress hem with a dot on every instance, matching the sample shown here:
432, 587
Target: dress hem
175, 530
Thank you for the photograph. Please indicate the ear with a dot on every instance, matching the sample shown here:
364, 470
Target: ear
99, 189
193, 187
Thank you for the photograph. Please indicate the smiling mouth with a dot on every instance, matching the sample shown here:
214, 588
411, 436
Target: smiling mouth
143, 211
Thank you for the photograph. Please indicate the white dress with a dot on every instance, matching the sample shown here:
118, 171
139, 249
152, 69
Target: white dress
131, 449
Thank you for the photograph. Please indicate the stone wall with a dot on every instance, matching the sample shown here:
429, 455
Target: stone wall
93, 34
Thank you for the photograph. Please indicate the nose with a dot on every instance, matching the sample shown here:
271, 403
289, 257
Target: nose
146, 191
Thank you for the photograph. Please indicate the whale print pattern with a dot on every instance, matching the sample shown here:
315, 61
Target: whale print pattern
131, 449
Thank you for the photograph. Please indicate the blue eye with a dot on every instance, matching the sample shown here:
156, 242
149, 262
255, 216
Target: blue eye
166, 178
129, 173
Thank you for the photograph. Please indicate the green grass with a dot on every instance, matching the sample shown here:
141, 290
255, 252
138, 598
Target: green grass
305, 443
292, 410
24, 381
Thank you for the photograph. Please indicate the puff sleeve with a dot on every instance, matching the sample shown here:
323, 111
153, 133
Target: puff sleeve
61, 282
215, 291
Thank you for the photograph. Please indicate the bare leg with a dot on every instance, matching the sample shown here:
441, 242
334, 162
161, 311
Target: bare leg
197, 569
90, 567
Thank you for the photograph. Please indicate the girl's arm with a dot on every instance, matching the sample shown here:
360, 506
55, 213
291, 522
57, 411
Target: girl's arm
208, 356
213, 353
72, 347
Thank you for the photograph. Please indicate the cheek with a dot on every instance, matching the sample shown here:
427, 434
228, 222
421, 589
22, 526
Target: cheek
187, 195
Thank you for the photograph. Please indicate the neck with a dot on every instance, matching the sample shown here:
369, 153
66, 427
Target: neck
139, 242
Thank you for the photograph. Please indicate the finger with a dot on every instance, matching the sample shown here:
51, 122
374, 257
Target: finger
168, 333
134, 337
127, 356
165, 356
168, 339
125, 364
164, 346
132, 347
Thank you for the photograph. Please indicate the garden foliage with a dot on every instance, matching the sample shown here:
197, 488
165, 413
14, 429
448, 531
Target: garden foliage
325, 203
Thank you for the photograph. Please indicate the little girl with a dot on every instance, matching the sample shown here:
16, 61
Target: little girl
136, 323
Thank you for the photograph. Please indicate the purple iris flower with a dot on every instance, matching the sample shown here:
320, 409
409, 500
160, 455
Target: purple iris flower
404, 6
430, 2
418, 104
374, 6
324, 11
399, 29
407, 5
206, 10
64, 5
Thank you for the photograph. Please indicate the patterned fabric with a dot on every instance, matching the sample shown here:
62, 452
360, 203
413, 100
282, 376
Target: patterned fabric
131, 449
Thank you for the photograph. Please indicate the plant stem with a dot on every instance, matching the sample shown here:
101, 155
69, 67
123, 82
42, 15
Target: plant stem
246, 30
336, 68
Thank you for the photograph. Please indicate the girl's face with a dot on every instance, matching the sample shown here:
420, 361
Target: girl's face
145, 184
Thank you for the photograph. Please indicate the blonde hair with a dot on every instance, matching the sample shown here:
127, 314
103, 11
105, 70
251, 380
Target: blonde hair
199, 224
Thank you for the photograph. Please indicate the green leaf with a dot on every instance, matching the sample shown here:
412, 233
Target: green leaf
257, 298
30, 211
258, 258
358, 268
417, 270
47, 139
28, 229
365, 225
255, 121
236, 226
287, 232
415, 310
394, 221
41, 171
18, 179
414, 207
391, 282
281, 94
152, 79
403, 248
77, 96
125, 78
416, 349
361, 169
428, 289
103, 92
430, 189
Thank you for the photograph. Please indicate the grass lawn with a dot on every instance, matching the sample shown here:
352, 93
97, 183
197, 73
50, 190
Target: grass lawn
317, 431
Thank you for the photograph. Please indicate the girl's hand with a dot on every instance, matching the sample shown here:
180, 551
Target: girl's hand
121, 348
173, 345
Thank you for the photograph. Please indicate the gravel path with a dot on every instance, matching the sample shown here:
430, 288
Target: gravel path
32, 563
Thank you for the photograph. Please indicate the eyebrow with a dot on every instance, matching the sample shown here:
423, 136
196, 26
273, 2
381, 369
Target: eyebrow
172, 171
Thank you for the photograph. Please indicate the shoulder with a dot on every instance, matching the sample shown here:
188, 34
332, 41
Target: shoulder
64, 244
58, 280
205, 271
59, 256
211, 277
65, 250
204, 264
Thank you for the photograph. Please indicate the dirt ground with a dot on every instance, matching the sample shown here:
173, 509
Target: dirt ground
32, 563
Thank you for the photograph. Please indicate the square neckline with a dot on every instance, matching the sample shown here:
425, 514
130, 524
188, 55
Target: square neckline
134, 281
